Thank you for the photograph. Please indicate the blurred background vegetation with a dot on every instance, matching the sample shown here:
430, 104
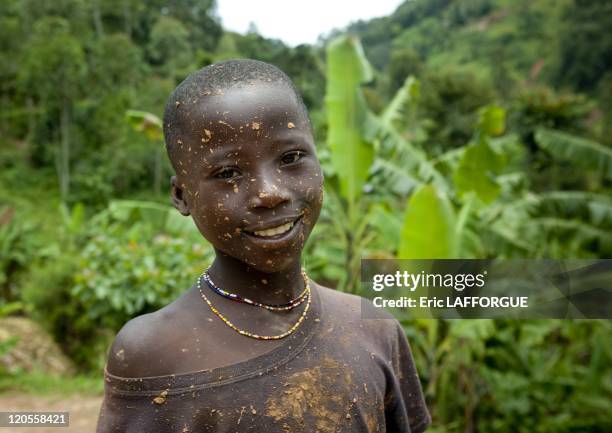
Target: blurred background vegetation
449, 129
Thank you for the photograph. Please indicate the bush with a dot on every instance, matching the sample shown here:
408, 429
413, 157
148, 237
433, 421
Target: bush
133, 258
515, 376
17, 249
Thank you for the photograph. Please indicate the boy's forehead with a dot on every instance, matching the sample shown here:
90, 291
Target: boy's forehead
249, 102
228, 118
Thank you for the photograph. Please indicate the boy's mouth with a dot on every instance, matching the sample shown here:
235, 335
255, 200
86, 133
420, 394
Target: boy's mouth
274, 232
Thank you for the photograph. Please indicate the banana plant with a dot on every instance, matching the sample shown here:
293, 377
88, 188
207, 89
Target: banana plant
360, 145
582, 152
431, 227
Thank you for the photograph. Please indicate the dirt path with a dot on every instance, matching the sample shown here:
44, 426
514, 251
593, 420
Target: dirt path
83, 410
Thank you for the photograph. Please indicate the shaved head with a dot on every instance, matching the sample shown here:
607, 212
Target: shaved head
183, 104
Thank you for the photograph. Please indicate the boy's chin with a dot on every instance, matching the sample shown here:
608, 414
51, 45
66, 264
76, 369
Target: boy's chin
271, 265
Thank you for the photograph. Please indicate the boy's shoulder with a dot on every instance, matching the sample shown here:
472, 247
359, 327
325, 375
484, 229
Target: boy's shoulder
136, 344
358, 314
355, 324
145, 345
351, 305
146, 339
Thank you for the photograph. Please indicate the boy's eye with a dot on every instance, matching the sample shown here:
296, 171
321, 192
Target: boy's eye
292, 157
227, 173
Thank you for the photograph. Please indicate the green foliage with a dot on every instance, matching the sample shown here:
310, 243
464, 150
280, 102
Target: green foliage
585, 46
169, 46
452, 98
5, 347
480, 163
122, 276
130, 259
429, 227
351, 154
17, 250
126, 69
53, 67
147, 123
404, 62
540, 106
580, 151
43, 384
503, 375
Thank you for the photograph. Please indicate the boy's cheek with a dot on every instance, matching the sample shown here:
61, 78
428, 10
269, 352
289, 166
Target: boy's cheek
314, 194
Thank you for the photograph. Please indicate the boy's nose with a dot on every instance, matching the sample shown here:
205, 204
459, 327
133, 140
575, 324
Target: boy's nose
268, 194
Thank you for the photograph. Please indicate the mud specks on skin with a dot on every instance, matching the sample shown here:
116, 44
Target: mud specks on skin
207, 135
290, 125
241, 413
161, 398
255, 126
225, 123
120, 355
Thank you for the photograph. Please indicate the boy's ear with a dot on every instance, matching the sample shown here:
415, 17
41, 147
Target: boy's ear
178, 200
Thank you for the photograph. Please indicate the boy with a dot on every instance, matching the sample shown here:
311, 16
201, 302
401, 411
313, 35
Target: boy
255, 345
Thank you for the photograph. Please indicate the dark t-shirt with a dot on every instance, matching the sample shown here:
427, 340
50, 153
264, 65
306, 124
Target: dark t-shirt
336, 373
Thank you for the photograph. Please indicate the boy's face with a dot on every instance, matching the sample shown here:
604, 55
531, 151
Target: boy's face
248, 174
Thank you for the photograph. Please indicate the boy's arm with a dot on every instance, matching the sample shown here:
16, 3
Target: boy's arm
405, 401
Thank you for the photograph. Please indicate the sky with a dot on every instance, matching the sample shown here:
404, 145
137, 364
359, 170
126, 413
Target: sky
298, 21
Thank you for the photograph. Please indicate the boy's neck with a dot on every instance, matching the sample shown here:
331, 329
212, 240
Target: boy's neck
237, 277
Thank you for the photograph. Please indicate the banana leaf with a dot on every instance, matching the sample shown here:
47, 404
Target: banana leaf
347, 113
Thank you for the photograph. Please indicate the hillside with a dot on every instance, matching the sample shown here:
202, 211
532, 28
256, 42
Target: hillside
563, 43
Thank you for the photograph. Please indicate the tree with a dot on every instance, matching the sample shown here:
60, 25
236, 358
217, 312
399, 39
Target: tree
115, 62
51, 72
404, 62
586, 44
169, 46
451, 99
199, 19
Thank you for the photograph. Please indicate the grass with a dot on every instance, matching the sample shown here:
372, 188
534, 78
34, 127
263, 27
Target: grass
39, 383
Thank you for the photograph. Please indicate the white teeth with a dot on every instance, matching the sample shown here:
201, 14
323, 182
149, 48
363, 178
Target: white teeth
275, 230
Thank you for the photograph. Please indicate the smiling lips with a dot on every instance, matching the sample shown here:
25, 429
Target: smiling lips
274, 231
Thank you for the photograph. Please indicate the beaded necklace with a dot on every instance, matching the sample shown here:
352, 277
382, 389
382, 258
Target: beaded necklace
256, 336
272, 307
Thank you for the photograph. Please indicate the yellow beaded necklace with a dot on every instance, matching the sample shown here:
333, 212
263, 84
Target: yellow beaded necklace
256, 336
